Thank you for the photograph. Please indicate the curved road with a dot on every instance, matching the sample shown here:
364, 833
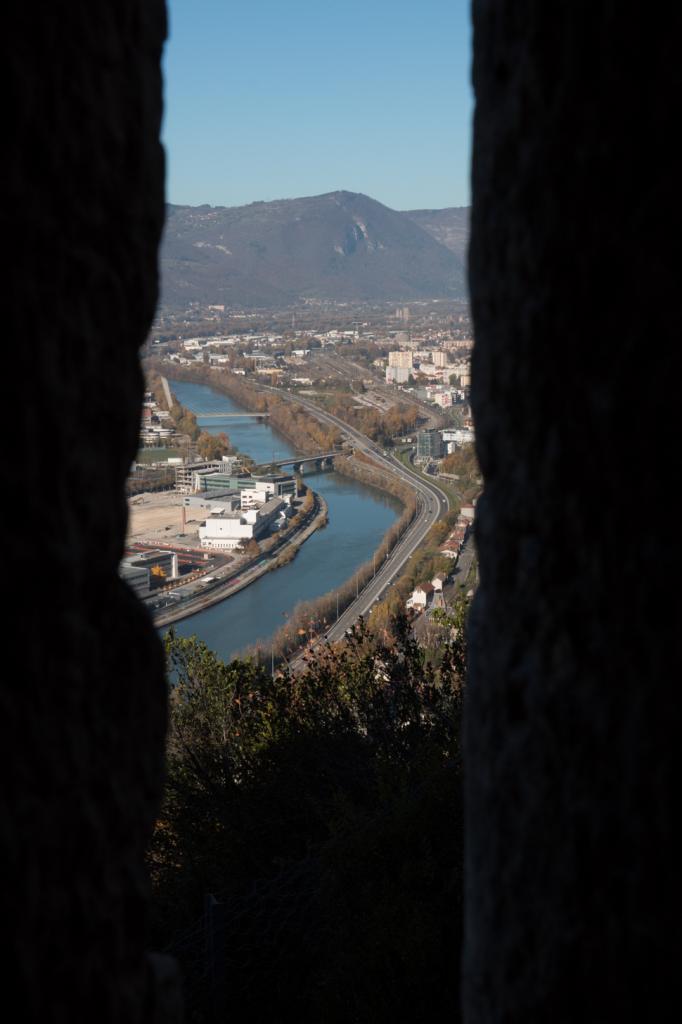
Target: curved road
431, 504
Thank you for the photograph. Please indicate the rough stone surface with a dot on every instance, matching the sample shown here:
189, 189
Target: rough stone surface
83, 711
572, 910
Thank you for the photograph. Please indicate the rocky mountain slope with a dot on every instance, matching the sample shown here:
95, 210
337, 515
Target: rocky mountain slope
342, 245
450, 227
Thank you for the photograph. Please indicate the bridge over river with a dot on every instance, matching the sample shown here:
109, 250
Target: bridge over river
232, 415
323, 460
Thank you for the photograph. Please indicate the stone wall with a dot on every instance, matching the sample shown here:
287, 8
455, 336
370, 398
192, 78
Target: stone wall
83, 708
572, 717
571, 866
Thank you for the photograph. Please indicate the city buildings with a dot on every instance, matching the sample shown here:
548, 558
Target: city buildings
400, 358
429, 445
421, 596
458, 436
185, 473
216, 481
228, 530
398, 374
145, 569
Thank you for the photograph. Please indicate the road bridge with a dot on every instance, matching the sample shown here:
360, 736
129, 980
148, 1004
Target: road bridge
323, 460
232, 415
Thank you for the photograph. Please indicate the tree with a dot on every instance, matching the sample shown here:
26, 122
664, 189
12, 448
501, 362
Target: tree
250, 547
322, 810
455, 620
210, 446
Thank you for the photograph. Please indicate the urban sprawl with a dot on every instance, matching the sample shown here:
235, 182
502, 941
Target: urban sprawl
203, 527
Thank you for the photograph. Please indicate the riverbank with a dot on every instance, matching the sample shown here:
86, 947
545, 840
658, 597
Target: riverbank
363, 509
282, 413
318, 613
310, 619
287, 416
278, 556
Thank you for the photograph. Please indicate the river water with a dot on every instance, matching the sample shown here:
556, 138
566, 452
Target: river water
358, 518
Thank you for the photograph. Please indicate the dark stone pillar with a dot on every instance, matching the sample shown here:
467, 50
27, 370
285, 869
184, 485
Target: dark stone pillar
572, 719
83, 711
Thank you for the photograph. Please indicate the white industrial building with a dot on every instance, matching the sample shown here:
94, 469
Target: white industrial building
458, 435
220, 501
255, 497
228, 530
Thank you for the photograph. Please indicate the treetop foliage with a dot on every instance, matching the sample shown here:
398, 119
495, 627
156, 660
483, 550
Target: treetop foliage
322, 811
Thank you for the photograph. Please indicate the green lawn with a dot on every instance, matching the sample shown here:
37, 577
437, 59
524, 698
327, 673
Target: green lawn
148, 455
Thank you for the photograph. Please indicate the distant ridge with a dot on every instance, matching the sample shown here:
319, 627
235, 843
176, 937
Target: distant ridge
341, 245
450, 226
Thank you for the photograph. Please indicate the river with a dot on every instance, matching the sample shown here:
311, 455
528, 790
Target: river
358, 518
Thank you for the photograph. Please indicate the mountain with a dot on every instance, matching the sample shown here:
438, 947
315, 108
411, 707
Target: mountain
450, 227
342, 245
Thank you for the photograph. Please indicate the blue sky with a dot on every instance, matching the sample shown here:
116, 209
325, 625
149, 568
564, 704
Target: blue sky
269, 100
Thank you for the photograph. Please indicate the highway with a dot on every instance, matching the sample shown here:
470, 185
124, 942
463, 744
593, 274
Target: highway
343, 367
432, 503
227, 580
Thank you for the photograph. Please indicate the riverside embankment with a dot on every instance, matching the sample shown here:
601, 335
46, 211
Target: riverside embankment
233, 582
359, 516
